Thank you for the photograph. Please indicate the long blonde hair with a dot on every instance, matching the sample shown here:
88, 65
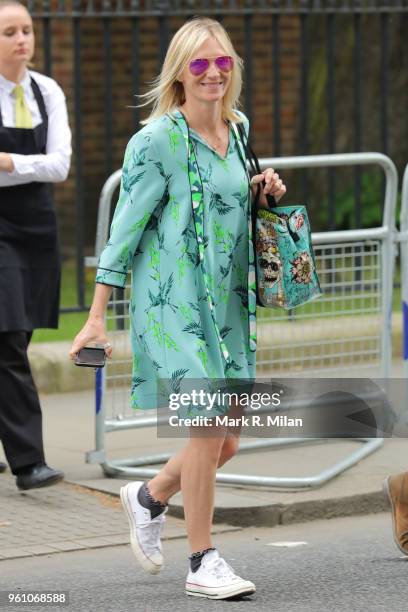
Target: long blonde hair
167, 93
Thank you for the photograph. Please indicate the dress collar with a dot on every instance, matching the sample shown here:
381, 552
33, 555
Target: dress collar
180, 119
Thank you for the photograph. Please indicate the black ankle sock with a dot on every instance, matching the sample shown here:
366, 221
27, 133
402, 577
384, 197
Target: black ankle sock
196, 558
146, 499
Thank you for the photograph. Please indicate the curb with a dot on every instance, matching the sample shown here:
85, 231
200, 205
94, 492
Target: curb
299, 512
270, 515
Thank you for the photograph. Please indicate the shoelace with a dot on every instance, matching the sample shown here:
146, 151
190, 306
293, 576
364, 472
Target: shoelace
152, 531
221, 568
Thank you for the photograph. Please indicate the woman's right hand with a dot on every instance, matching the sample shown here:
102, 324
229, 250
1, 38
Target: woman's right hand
93, 332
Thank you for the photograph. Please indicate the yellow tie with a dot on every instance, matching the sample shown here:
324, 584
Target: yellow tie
23, 114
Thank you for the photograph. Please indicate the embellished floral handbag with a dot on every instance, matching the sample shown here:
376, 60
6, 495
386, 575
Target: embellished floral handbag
285, 267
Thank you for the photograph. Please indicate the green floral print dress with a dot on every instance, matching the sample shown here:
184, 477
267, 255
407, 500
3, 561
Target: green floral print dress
182, 225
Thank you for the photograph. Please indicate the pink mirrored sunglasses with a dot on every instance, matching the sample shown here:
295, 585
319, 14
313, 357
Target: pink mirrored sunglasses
225, 63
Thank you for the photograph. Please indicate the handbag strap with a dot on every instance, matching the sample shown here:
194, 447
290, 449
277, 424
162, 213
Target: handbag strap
255, 167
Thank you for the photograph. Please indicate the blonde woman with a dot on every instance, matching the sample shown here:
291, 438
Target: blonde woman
182, 225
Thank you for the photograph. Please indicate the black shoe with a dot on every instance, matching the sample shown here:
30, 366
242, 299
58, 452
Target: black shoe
38, 476
3, 467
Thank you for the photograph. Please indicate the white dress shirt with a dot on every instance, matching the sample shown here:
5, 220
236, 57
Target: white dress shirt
53, 166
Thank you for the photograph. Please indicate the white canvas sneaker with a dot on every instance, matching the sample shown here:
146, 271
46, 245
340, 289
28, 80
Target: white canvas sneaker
215, 579
145, 532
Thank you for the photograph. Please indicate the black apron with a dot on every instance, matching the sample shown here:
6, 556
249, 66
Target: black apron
29, 253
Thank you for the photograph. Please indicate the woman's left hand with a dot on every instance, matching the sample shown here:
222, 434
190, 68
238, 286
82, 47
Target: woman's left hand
273, 186
6, 163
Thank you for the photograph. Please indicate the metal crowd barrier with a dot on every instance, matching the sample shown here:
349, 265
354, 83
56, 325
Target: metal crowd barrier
311, 340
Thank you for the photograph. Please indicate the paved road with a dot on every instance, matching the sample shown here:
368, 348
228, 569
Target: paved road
348, 564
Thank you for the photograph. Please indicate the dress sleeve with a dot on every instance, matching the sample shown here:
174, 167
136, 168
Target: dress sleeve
143, 186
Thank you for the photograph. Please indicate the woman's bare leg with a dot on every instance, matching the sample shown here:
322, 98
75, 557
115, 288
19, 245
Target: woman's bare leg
193, 470
167, 482
197, 487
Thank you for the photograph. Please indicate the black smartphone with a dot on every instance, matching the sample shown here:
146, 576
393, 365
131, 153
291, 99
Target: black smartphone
91, 357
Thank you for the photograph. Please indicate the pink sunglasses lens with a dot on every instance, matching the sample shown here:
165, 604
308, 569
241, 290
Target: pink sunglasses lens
225, 63
198, 66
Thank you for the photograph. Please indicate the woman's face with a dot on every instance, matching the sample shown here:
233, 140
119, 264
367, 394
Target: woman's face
211, 85
16, 36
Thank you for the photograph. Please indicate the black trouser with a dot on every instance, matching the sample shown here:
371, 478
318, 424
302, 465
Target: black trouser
20, 410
